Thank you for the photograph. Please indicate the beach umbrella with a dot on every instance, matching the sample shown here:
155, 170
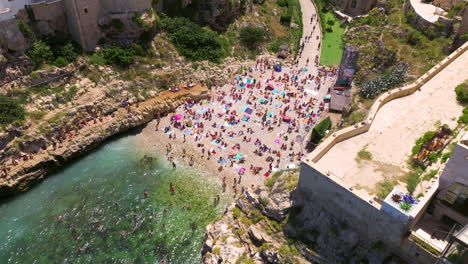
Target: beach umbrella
327, 97
286, 118
277, 68
178, 117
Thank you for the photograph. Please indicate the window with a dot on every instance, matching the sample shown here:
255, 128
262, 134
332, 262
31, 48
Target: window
86, 10
353, 3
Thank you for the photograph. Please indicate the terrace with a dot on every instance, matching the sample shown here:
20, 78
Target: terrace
379, 157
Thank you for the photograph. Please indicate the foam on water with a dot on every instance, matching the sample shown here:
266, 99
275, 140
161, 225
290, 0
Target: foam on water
105, 215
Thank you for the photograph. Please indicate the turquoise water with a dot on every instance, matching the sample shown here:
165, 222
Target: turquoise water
105, 216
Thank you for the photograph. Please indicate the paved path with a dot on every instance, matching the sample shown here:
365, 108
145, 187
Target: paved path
426, 11
310, 48
225, 104
396, 127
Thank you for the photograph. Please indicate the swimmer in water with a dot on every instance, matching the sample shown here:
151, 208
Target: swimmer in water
145, 194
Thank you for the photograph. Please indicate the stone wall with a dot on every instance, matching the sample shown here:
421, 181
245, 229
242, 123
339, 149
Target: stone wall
456, 170
464, 23
364, 126
11, 37
442, 27
354, 7
124, 6
83, 18
371, 223
50, 17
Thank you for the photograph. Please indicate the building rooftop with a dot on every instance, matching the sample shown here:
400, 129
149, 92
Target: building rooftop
339, 100
393, 133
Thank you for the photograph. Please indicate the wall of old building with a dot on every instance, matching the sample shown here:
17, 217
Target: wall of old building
83, 18
370, 222
51, 17
354, 7
11, 37
124, 6
464, 23
456, 169
13, 7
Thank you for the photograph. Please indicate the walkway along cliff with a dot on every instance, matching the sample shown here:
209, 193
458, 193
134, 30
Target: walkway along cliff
22, 177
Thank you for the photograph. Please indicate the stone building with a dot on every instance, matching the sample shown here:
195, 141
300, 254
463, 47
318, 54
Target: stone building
354, 7
85, 20
451, 202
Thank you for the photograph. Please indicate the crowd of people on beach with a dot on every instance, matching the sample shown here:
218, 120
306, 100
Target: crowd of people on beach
55, 138
255, 125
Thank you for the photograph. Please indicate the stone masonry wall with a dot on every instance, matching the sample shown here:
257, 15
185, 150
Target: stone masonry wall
370, 222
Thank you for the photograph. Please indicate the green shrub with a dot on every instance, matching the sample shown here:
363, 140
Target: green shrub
285, 19
274, 46
456, 10
11, 111
445, 157
319, 130
396, 76
462, 92
433, 157
412, 181
37, 115
252, 37
193, 41
35, 75
138, 50
97, 60
60, 62
62, 46
117, 24
431, 174
282, 3
69, 52
330, 22
25, 29
117, 55
414, 37
40, 53
463, 119
363, 154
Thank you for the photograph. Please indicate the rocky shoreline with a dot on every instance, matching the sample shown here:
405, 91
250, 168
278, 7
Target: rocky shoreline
280, 223
23, 176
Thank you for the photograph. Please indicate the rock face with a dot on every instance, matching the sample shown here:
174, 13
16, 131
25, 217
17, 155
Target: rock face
22, 177
275, 225
218, 14
244, 233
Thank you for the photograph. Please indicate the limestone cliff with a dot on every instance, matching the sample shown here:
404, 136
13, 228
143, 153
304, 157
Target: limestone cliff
22, 177
277, 225
218, 14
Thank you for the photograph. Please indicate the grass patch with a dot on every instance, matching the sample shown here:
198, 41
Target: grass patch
383, 188
332, 36
363, 154
428, 176
425, 245
245, 260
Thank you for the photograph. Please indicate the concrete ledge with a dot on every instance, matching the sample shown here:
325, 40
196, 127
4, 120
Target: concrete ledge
384, 98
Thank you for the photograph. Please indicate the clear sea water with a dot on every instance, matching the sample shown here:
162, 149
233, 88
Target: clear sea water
105, 216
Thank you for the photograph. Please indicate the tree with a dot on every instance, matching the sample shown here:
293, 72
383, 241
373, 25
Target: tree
252, 37
40, 53
11, 110
69, 52
193, 41
117, 55
462, 92
330, 22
